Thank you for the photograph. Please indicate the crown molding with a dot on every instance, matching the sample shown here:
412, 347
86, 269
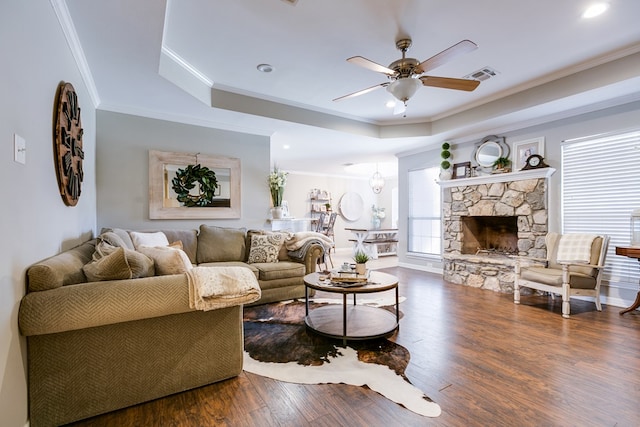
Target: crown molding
70, 34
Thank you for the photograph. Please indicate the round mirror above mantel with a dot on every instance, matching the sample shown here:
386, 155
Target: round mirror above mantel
489, 150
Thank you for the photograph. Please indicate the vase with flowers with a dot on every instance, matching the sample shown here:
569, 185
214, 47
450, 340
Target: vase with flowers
277, 182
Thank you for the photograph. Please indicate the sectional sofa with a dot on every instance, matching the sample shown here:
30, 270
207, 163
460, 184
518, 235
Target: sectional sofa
107, 329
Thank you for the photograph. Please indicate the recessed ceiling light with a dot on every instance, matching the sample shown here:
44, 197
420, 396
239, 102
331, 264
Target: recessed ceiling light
286, 146
595, 10
265, 68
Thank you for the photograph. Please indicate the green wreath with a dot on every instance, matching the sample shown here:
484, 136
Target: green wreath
185, 181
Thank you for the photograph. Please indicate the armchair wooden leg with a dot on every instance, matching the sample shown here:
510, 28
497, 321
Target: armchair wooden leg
516, 293
566, 306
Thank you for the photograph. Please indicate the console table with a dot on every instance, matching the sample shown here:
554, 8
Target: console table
374, 242
631, 252
291, 224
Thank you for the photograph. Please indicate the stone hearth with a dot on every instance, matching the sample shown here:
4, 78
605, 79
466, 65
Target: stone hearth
521, 195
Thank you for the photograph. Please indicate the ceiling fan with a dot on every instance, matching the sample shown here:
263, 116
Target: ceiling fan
405, 74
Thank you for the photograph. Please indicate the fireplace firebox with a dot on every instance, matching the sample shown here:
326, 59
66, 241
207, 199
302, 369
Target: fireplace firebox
489, 234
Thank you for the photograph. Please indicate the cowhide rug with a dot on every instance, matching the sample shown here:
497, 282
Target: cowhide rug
279, 346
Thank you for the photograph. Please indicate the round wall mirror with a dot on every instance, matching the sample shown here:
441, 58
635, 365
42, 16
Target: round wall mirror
351, 206
487, 153
489, 150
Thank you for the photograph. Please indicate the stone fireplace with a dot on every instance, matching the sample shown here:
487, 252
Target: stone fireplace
488, 220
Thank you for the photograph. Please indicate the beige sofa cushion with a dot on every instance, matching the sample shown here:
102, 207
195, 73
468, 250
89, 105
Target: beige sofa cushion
220, 244
280, 270
62, 269
553, 277
189, 239
167, 260
251, 267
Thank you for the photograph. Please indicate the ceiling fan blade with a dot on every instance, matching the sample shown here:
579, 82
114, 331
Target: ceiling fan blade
374, 66
446, 55
449, 83
362, 92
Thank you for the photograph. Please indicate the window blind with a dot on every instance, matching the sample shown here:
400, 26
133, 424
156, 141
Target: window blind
600, 189
424, 222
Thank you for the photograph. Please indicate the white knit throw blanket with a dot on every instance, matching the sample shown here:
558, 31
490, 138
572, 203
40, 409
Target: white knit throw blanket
219, 287
575, 247
297, 240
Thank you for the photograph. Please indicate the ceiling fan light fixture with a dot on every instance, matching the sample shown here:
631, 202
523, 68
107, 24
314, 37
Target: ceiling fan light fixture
403, 89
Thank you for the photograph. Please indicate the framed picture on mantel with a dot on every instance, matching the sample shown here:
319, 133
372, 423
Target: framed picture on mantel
522, 150
193, 186
461, 170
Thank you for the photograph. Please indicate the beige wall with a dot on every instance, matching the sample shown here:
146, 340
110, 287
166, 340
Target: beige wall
34, 221
122, 169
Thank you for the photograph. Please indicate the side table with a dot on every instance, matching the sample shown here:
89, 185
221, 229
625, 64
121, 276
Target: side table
631, 252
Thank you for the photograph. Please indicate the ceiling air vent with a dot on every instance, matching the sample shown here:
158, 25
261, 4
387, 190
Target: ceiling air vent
482, 74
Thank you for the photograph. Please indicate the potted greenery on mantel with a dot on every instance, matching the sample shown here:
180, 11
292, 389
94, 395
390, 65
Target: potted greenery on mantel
446, 163
501, 165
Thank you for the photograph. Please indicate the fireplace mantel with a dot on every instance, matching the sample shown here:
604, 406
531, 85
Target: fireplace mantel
499, 177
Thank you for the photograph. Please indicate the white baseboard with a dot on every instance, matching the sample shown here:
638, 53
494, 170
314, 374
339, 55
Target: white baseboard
605, 296
427, 268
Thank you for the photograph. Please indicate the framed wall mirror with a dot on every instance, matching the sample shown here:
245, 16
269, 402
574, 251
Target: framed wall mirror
489, 150
222, 202
351, 206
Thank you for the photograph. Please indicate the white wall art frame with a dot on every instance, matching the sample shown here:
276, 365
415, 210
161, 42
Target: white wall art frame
523, 149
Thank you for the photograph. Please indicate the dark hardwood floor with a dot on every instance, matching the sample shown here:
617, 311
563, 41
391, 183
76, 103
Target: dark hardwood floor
483, 359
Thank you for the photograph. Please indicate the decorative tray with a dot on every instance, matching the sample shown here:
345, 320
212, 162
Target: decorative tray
344, 277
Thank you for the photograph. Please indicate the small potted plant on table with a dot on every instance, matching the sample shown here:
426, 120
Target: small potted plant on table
361, 259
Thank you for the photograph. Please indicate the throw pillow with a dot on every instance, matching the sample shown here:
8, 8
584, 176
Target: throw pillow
219, 244
168, 260
110, 267
148, 239
141, 265
284, 253
113, 239
123, 234
136, 264
265, 248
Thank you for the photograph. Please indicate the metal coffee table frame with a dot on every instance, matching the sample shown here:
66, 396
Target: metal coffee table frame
358, 322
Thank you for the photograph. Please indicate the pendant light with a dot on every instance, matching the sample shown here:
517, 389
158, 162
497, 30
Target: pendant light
377, 181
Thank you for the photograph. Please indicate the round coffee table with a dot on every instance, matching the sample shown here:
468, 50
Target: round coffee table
352, 322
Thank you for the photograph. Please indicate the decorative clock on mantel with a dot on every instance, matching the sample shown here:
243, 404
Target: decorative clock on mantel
534, 161
68, 144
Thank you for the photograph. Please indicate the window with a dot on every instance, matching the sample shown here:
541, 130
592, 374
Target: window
424, 224
600, 184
